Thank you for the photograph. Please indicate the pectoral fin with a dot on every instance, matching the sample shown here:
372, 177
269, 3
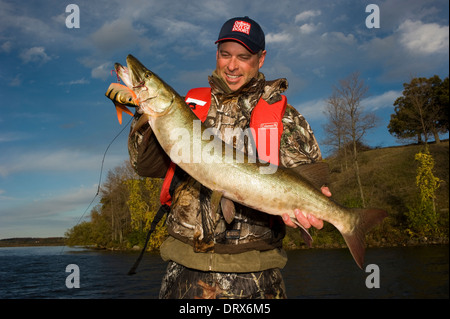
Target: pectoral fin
228, 209
305, 234
142, 121
227, 206
215, 202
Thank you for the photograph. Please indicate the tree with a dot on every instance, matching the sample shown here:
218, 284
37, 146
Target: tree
422, 110
335, 129
127, 207
143, 203
114, 196
422, 217
347, 118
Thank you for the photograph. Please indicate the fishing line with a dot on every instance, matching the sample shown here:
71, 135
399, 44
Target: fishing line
100, 177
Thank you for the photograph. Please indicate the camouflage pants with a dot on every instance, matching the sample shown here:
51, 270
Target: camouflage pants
185, 283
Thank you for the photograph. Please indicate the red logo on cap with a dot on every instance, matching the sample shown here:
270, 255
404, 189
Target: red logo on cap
242, 26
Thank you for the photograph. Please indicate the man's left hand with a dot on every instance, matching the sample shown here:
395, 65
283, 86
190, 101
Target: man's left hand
305, 219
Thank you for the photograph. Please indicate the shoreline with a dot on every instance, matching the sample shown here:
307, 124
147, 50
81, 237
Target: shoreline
32, 241
60, 241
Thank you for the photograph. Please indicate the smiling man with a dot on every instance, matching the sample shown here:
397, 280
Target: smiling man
237, 65
228, 250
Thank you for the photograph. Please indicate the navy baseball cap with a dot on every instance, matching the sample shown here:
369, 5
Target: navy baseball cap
245, 31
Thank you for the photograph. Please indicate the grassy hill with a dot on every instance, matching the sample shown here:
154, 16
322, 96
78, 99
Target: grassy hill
388, 177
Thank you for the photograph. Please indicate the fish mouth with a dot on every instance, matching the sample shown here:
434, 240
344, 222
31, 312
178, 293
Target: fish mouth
136, 71
123, 73
133, 74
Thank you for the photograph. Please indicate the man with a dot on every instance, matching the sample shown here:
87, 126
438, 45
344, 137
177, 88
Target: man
238, 252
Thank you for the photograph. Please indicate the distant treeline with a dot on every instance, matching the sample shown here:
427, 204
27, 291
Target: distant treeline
32, 241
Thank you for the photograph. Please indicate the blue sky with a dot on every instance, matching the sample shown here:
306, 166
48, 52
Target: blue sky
55, 122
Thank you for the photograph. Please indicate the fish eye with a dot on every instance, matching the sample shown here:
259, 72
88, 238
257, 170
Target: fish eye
148, 74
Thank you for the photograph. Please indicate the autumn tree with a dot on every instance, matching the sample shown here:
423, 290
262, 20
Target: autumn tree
423, 218
143, 203
123, 217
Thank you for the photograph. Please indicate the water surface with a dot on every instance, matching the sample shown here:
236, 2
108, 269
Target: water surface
404, 273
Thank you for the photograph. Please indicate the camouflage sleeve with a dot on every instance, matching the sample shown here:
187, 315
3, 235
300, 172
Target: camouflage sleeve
146, 155
298, 143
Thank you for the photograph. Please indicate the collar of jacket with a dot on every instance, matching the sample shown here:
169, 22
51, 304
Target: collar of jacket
269, 90
219, 86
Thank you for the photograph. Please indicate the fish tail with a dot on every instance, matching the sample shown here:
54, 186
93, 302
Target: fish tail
368, 218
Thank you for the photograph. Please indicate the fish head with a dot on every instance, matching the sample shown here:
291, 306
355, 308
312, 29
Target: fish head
154, 97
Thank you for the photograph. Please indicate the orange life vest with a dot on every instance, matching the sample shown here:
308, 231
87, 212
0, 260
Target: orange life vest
265, 121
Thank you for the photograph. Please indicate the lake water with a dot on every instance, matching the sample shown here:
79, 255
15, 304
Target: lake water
401, 273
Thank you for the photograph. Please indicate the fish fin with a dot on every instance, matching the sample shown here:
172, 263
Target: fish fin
215, 202
316, 173
228, 209
368, 218
122, 108
141, 122
305, 234
227, 206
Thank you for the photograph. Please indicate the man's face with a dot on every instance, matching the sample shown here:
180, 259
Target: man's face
236, 65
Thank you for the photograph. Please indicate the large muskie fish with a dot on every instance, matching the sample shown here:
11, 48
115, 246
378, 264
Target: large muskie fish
277, 193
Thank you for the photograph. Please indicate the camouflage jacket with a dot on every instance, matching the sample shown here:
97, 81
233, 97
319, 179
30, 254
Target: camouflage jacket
190, 219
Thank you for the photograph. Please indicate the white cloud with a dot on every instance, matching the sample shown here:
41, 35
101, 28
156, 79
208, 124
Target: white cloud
11, 137
278, 38
117, 33
312, 110
49, 161
305, 15
35, 55
50, 208
338, 38
75, 82
385, 100
175, 28
421, 38
6, 47
16, 81
308, 28
102, 71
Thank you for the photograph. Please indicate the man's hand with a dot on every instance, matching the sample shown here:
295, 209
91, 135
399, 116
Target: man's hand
308, 220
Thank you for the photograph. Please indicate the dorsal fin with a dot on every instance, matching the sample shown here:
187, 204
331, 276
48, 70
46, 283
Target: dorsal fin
316, 173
